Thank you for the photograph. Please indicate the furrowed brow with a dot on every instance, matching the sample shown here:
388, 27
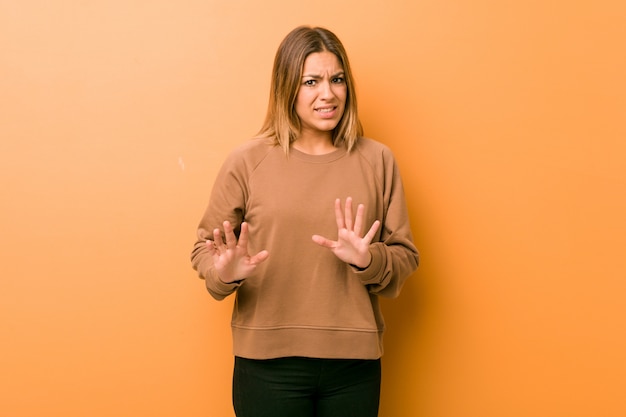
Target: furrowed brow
317, 76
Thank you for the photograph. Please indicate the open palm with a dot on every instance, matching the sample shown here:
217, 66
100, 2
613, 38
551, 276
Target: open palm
231, 259
351, 246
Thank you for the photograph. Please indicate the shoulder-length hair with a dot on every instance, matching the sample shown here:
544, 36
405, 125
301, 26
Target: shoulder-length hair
282, 124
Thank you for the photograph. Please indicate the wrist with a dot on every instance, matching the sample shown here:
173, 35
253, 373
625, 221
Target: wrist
364, 264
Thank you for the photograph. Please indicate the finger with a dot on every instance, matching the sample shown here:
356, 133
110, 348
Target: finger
348, 213
358, 221
339, 214
322, 241
243, 236
259, 257
212, 250
229, 235
217, 239
370, 234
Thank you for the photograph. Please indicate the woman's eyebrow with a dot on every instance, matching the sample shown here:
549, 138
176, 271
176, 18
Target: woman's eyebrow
320, 76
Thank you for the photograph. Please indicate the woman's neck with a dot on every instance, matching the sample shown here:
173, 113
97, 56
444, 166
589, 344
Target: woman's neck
314, 145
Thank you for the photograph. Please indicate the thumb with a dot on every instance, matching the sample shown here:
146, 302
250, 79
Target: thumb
322, 241
259, 257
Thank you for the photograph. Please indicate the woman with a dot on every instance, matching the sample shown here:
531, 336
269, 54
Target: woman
307, 327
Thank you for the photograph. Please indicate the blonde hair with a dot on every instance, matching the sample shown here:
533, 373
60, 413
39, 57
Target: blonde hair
282, 124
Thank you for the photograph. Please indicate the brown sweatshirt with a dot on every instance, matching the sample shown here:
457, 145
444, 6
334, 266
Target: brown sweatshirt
303, 300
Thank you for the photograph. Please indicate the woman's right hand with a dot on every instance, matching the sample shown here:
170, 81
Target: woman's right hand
231, 259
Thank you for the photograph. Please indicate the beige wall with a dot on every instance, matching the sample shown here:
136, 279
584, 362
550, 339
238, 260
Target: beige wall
506, 117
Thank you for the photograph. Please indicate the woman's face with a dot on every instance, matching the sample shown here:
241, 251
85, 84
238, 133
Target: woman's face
321, 98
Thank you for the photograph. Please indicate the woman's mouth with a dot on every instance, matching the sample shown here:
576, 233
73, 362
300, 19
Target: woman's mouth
326, 112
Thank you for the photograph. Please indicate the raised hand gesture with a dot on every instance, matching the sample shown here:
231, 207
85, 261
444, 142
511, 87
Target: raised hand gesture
231, 258
351, 246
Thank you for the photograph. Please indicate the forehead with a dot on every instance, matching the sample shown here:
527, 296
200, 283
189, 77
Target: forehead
321, 62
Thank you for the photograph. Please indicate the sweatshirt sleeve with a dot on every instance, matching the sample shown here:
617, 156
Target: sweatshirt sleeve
227, 202
394, 257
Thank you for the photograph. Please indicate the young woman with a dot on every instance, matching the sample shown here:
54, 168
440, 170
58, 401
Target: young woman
307, 225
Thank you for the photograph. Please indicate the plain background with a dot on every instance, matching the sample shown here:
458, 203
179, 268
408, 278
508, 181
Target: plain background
508, 122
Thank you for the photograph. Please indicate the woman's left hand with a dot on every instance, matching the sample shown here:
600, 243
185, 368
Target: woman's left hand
350, 246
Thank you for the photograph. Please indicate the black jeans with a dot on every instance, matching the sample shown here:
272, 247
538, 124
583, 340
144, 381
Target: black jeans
305, 387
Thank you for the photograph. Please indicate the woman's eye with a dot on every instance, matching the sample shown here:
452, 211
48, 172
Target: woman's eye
309, 82
338, 80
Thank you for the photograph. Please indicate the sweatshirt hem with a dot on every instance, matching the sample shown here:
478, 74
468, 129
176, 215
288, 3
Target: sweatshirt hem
307, 341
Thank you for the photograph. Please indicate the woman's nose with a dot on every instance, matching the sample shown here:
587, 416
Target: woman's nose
326, 90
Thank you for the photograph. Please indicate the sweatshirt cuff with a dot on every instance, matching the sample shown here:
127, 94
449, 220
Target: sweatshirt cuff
218, 288
372, 273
